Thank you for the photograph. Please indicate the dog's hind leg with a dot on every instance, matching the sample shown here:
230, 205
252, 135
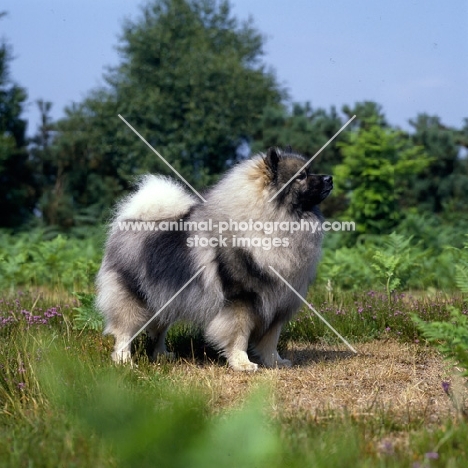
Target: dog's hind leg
230, 331
157, 335
124, 314
266, 350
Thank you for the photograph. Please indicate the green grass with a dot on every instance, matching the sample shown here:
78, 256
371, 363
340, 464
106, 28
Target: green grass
370, 315
62, 402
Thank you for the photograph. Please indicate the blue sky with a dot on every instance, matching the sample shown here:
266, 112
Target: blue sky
409, 56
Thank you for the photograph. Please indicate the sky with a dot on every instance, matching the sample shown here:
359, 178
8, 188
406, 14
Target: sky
409, 56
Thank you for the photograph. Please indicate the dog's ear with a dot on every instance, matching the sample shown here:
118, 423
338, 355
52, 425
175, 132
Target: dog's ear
272, 159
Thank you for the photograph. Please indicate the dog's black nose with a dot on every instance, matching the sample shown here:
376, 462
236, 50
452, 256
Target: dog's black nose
328, 179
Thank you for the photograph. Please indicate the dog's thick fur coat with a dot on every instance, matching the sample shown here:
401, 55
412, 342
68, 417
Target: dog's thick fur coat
237, 299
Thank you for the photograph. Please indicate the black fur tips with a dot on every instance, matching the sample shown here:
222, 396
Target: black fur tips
272, 159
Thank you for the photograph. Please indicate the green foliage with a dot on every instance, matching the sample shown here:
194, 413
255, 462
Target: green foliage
368, 114
86, 314
368, 315
461, 275
395, 261
451, 337
420, 261
377, 163
191, 81
163, 427
443, 184
345, 267
17, 188
30, 260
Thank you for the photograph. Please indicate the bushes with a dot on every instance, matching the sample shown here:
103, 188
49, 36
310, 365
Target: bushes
394, 262
389, 262
60, 263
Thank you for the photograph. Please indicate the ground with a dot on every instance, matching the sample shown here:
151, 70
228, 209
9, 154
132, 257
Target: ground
404, 380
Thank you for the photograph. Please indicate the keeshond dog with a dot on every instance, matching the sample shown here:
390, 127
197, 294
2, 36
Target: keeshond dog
237, 297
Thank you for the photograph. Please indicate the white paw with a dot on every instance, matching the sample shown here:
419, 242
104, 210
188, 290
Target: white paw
121, 357
239, 361
244, 366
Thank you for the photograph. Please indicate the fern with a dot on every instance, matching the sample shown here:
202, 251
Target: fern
394, 262
461, 277
87, 316
450, 337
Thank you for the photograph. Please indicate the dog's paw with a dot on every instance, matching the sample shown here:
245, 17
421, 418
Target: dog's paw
121, 357
283, 363
170, 356
239, 361
245, 366
163, 357
275, 361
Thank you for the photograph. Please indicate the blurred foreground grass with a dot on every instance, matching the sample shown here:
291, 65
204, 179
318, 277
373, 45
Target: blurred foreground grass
63, 403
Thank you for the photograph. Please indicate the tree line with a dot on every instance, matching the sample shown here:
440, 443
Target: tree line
192, 81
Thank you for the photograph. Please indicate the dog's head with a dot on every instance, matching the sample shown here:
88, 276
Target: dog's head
305, 190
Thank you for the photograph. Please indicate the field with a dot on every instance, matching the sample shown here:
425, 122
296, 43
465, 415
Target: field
398, 402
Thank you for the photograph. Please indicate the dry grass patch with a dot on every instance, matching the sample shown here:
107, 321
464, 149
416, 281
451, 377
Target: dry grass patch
398, 379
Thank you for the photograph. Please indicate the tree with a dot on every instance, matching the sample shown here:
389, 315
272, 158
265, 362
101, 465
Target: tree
191, 81
368, 114
443, 185
55, 208
17, 187
377, 165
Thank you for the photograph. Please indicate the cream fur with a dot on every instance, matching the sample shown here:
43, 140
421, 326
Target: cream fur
157, 197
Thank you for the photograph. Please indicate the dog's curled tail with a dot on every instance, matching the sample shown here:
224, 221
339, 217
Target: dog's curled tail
156, 198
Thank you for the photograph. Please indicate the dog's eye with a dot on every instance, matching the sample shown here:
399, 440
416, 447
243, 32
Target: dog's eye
302, 175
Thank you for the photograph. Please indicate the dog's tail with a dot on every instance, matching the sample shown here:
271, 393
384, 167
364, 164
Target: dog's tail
156, 198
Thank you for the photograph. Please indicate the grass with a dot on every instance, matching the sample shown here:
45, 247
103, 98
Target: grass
63, 403
370, 315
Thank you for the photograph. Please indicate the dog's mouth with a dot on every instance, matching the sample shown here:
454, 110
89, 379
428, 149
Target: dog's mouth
324, 193
328, 187
319, 188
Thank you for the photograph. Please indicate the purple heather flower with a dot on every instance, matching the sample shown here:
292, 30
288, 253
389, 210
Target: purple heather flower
387, 447
446, 386
432, 455
21, 385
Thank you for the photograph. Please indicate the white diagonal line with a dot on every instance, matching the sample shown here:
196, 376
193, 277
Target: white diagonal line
312, 158
314, 311
160, 310
162, 159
